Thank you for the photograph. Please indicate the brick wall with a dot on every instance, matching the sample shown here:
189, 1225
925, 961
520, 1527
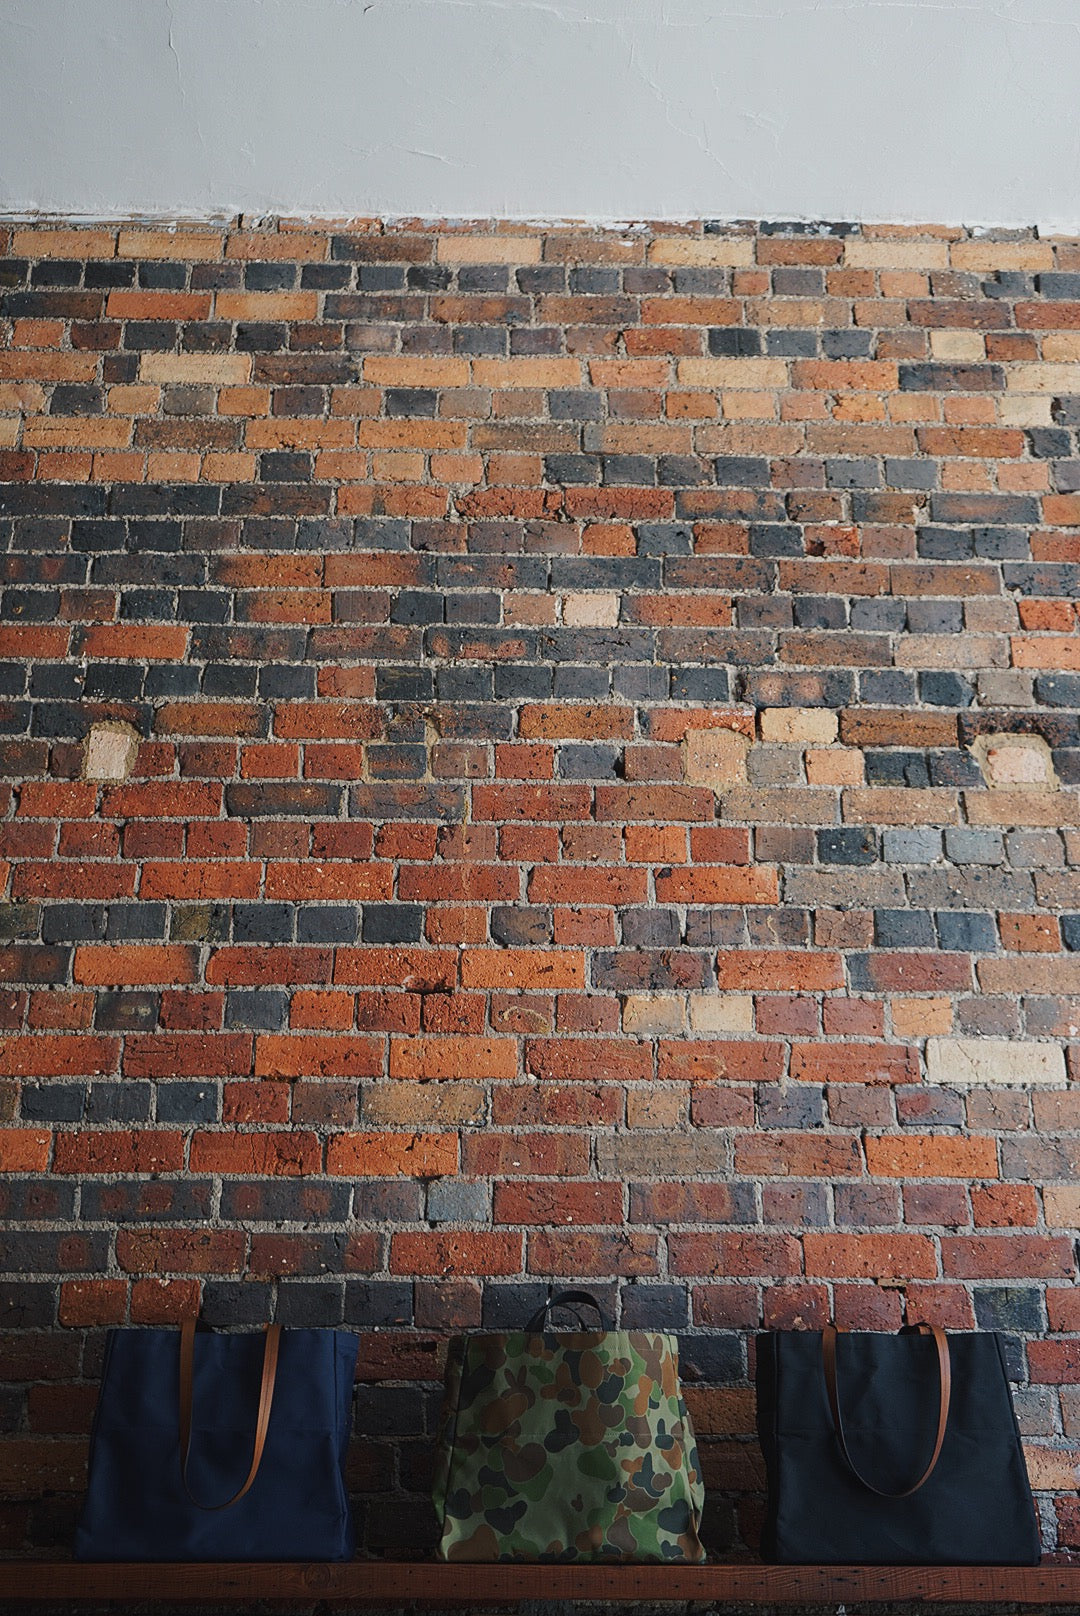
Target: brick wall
591, 793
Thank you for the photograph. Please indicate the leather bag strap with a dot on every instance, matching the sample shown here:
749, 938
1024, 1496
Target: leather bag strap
262, 1422
828, 1353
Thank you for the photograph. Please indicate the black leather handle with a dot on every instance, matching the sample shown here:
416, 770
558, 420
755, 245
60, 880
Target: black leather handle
570, 1301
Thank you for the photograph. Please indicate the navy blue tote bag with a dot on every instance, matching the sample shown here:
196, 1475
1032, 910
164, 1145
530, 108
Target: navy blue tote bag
220, 1447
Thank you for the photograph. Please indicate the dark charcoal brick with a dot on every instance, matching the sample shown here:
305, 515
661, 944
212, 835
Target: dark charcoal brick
264, 1009
903, 928
393, 923
1009, 1307
733, 341
966, 931
848, 844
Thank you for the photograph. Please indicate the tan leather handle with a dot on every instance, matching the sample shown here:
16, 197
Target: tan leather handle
262, 1422
828, 1353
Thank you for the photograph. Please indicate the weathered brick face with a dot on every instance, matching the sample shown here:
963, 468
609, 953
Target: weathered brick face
589, 789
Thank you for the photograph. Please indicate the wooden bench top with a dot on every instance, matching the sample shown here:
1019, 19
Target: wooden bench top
381, 1582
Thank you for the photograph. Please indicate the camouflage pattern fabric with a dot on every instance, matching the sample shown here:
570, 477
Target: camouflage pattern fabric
567, 1446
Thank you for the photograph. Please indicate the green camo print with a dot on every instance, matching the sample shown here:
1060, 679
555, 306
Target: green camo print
567, 1446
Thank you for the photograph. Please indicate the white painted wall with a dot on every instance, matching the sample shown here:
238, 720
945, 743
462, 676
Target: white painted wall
951, 111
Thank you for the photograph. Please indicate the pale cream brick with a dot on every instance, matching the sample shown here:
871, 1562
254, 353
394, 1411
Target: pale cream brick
993, 1060
1015, 761
958, 345
592, 608
109, 751
221, 370
735, 252
896, 255
714, 757
654, 1013
1024, 378
489, 249
722, 1012
1025, 409
990, 255
733, 373
799, 726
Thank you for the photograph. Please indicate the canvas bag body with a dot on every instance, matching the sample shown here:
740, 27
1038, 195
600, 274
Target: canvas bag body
567, 1446
976, 1507
136, 1507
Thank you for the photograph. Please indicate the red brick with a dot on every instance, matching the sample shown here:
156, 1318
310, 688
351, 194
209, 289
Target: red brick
932, 1156
132, 1151
588, 1060
720, 1060
164, 1301
453, 1057
73, 1056
576, 1203
456, 1253
24, 1150
739, 1255
290, 1055
854, 1063
386, 1155
135, 964
778, 970
180, 1251
1004, 1256
93, 1301
251, 966
870, 1256
419, 970
564, 1251
522, 968
799, 1155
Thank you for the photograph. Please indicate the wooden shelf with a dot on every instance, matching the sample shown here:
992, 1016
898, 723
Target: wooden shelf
380, 1582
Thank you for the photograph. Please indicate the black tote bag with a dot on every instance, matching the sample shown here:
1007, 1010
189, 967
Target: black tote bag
911, 1456
220, 1447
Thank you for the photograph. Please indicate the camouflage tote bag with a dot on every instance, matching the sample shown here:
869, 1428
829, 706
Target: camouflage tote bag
567, 1445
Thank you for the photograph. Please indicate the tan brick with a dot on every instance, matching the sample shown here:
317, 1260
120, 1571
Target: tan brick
798, 726
835, 766
900, 805
656, 1106
731, 251
732, 373
412, 1103
991, 255
501, 373
77, 432
182, 244
1020, 806
1061, 346
714, 757
648, 1013
393, 370
993, 1060
264, 246
939, 651
896, 255
722, 1012
1061, 1203
921, 1018
489, 249
266, 305
44, 243
221, 370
